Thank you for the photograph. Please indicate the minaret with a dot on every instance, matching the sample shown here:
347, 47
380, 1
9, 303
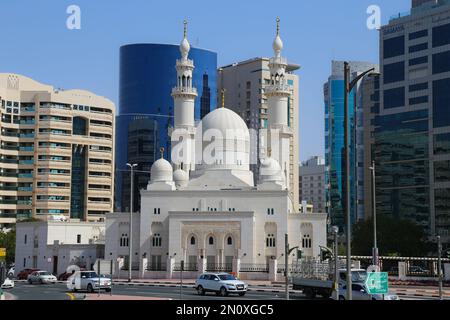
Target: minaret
278, 94
184, 98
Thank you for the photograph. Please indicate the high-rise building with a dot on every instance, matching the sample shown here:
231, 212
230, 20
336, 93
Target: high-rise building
146, 108
312, 183
334, 143
412, 131
245, 93
56, 152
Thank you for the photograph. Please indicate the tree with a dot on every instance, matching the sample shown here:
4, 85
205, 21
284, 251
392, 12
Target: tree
395, 237
8, 241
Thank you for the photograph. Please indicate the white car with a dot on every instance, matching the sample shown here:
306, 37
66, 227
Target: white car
360, 292
220, 283
89, 281
41, 277
8, 284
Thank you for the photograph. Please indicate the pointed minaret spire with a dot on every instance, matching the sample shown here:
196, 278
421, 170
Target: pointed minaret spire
277, 43
185, 47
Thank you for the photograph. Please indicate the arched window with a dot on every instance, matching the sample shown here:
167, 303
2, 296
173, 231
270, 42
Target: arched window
306, 241
230, 241
193, 241
270, 241
211, 240
157, 241
124, 240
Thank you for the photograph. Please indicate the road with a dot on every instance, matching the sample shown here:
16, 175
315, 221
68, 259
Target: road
25, 291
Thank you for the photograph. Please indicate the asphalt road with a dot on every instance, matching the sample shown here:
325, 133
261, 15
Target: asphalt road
25, 291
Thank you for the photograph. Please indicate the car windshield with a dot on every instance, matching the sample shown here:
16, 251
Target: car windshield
226, 277
44, 273
359, 276
90, 274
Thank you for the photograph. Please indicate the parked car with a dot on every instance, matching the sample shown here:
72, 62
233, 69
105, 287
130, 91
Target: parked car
11, 272
23, 275
41, 277
360, 292
220, 283
90, 281
64, 276
8, 284
418, 270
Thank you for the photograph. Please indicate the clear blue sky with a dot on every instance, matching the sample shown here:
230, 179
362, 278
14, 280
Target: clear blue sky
36, 42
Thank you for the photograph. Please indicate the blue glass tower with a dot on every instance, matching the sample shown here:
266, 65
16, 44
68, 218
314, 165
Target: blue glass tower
147, 76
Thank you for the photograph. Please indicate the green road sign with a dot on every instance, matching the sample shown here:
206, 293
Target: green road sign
377, 282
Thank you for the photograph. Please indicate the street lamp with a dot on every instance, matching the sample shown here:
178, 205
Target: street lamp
130, 244
335, 230
374, 213
348, 87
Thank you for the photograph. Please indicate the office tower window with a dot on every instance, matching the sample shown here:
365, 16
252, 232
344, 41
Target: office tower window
394, 47
442, 207
441, 35
418, 87
394, 98
441, 62
441, 103
77, 198
416, 61
418, 100
418, 47
205, 100
442, 171
394, 72
442, 143
418, 34
79, 126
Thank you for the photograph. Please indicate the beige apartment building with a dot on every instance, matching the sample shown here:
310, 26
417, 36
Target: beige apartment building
244, 84
56, 152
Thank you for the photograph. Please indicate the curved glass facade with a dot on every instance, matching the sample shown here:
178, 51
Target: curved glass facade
147, 76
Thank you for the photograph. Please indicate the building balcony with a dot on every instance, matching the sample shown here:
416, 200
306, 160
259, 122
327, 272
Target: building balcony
185, 63
278, 60
184, 90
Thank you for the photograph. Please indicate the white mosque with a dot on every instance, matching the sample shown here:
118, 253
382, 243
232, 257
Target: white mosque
204, 209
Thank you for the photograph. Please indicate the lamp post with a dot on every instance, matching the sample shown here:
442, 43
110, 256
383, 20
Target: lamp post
374, 213
130, 244
335, 230
348, 87
287, 252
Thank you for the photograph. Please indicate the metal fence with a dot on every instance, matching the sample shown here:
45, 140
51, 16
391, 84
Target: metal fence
223, 267
187, 267
157, 267
245, 267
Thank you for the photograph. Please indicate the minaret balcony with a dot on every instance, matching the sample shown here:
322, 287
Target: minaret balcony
185, 63
278, 61
184, 90
278, 89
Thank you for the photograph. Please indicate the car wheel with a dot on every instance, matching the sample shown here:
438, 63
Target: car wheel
241, 294
29, 281
200, 291
223, 292
341, 298
309, 293
40, 281
90, 289
108, 289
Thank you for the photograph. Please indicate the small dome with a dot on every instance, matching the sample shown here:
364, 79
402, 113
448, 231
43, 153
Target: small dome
161, 171
180, 175
185, 47
277, 45
270, 170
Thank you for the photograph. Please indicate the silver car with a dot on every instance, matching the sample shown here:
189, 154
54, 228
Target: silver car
41, 277
89, 281
220, 283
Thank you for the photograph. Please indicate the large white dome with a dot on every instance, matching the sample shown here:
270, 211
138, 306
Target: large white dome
224, 119
161, 171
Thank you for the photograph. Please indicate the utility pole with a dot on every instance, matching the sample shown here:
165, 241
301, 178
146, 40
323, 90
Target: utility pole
130, 244
374, 212
287, 252
440, 267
